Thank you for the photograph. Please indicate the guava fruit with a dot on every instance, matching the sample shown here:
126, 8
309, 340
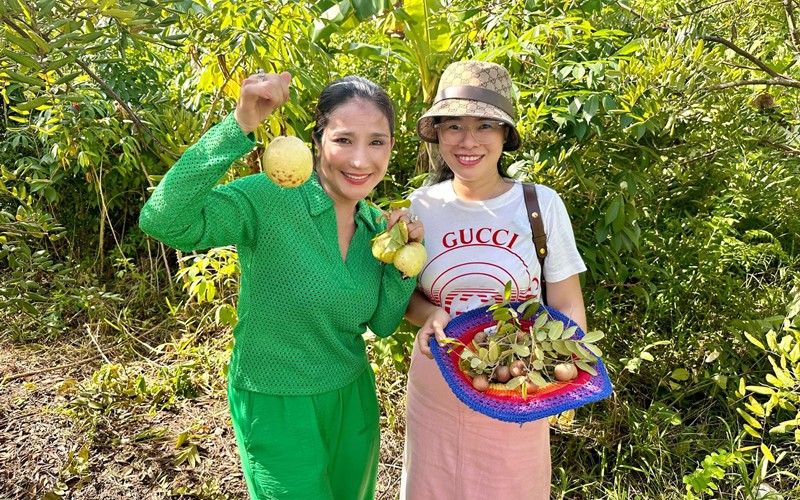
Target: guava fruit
287, 161
386, 244
410, 258
384, 247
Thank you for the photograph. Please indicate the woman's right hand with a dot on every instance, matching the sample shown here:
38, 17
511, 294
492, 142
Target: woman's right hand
416, 231
432, 329
261, 94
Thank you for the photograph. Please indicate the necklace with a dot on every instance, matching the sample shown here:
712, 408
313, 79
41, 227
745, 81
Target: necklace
501, 188
471, 195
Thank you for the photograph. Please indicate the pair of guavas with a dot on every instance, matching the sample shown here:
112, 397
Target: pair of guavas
392, 246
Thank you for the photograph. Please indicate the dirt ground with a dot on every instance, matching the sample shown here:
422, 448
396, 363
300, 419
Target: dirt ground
187, 450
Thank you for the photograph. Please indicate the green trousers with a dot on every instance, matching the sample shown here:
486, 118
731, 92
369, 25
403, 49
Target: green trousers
318, 447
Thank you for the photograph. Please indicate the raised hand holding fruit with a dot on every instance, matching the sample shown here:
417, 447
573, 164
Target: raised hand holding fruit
386, 243
261, 94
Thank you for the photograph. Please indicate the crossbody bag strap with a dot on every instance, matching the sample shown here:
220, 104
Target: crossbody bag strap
537, 228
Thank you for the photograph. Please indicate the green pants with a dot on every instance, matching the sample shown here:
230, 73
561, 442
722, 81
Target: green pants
322, 447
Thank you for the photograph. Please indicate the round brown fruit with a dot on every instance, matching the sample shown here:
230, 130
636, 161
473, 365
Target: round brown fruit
517, 368
480, 338
287, 161
565, 371
480, 383
502, 374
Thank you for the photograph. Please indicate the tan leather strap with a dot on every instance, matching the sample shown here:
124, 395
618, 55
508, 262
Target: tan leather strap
537, 228
477, 94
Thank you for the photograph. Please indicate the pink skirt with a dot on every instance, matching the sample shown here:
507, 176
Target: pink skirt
452, 451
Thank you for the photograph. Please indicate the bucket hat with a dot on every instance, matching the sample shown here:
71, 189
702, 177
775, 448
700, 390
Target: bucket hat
472, 88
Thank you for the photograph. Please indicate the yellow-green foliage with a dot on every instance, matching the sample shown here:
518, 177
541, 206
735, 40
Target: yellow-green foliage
772, 404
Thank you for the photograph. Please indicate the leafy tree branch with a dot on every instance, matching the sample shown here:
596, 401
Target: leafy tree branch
794, 34
106, 88
777, 78
785, 82
750, 57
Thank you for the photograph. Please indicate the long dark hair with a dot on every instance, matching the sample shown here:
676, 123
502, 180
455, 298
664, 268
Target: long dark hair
340, 92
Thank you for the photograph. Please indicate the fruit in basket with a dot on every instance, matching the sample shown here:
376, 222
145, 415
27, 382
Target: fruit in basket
287, 161
522, 352
565, 372
502, 374
517, 368
480, 383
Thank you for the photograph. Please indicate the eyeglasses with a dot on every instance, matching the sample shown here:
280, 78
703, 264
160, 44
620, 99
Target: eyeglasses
453, 133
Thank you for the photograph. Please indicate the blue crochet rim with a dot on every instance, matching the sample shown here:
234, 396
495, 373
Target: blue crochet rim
585, 389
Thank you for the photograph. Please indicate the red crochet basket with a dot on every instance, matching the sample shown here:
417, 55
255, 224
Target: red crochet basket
510, 405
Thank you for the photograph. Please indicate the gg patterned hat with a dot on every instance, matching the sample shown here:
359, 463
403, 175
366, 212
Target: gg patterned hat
472, 88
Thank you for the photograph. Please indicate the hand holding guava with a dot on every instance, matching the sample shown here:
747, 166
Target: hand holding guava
400, 244
261, 94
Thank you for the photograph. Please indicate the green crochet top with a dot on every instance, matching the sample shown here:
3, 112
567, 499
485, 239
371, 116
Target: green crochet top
302, 308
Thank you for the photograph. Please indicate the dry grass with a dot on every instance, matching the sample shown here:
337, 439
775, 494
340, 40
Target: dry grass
129, 451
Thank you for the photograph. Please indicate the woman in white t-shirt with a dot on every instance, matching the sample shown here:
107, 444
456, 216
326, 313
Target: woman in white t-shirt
478, 238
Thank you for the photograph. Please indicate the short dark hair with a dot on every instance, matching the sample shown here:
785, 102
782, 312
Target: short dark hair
342, 91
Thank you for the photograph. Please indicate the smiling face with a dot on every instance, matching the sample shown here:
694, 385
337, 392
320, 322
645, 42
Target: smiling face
354, 151
472, 161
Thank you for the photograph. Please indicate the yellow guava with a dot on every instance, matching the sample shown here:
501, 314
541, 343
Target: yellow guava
384, 247
288, 161
387, 243
410, 258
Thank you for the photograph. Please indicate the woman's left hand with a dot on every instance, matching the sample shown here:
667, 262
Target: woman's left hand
433, 331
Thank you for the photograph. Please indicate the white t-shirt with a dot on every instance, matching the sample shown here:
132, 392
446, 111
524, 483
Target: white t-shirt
476, 247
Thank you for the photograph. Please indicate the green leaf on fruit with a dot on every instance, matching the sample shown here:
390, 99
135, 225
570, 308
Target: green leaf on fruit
569, 332
583, 365
593, 336
555, 329
560, 347
594, 350
399, 204
515, 382
521, 350
537, 379
540, 321
494, 351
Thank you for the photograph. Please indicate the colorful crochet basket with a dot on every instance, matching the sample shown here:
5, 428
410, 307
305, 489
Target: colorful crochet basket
508, 405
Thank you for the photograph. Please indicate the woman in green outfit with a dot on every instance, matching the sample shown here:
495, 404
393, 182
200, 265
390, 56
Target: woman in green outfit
301, 392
